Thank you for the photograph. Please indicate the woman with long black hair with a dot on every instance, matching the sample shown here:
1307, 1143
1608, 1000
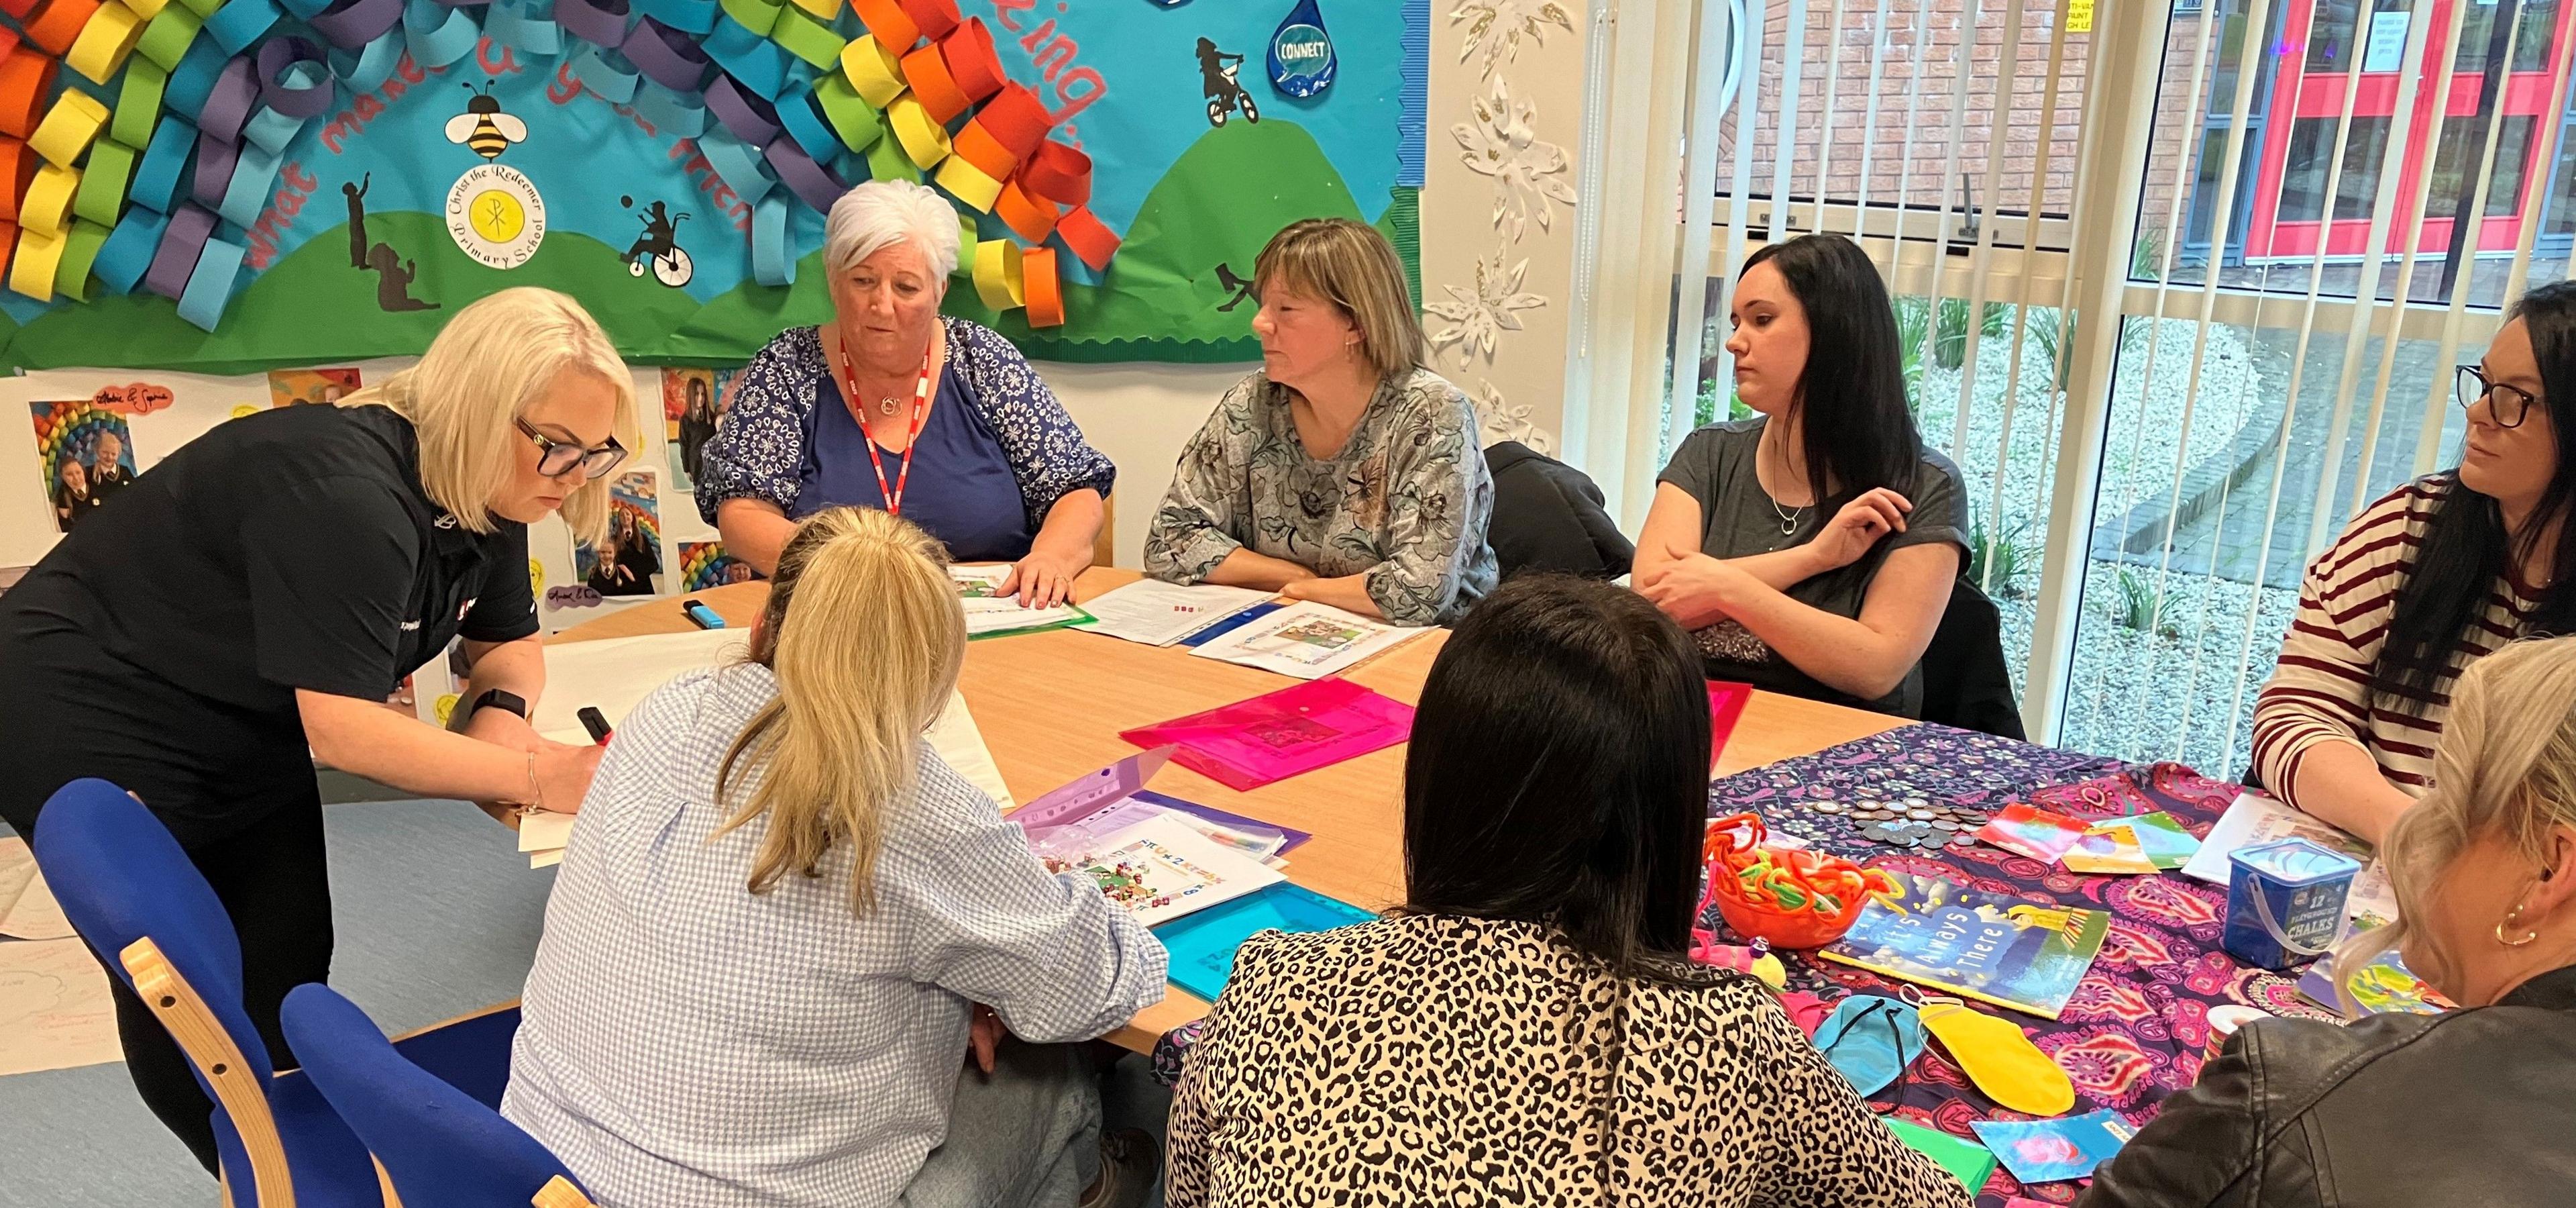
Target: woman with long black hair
1528, 1028
2440, 572
1810, 550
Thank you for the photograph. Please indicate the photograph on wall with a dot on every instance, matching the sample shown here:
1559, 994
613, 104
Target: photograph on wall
291, 387
86, 454
693, 399
705, 564
628, 561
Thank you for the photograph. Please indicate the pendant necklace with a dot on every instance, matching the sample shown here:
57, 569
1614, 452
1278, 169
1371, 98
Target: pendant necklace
1788, 516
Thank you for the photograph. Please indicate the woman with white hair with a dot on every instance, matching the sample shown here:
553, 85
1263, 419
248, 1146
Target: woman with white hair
937, 420
2301, 1112
248, 604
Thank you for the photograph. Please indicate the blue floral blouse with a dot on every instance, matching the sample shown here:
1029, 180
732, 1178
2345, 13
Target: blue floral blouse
759, 449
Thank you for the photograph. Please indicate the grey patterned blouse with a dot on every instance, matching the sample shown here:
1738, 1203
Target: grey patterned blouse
1406, 500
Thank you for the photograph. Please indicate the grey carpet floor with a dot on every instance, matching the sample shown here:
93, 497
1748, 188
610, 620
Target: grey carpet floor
437, 915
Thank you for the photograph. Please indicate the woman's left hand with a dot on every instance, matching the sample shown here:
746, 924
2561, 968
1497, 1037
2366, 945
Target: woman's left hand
1045, 578
1689, 589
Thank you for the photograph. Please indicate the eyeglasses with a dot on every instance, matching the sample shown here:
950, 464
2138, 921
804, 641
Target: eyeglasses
556, 458
2509, 403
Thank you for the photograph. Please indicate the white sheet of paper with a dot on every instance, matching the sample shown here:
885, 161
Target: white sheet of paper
1161, 869
54, 1008
959, 742
2251, 819
1306, 640
544, 830
27, 909
1158, 614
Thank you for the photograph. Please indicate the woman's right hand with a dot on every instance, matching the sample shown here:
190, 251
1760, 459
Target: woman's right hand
1858, 526
563, 775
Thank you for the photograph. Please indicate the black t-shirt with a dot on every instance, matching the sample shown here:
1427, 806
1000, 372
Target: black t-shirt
165, 637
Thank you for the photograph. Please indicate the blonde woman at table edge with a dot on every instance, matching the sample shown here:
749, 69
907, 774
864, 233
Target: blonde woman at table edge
764, 955
2437, 573
1342, 471
2474, 1106
1528, 1027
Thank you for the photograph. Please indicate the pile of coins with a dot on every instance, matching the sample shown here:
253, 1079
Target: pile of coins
1911, 822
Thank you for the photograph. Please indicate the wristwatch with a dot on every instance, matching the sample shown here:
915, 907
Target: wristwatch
496, 698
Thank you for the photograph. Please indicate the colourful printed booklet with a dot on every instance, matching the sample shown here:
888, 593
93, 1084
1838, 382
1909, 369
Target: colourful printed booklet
1306, 640
1160, 869
989, 613
2385, 984
1991, 947
1070, 820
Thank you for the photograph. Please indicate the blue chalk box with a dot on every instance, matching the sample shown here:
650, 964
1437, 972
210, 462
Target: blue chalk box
2285, 901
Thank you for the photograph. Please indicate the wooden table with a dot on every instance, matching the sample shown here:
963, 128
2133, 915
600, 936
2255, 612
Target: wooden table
1051, 705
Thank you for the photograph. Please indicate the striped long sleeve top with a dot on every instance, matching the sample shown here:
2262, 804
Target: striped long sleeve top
2320, 692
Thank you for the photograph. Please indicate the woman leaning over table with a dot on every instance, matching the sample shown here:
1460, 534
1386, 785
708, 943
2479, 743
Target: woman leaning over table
248, 604
1810, 550
2471, 1107
938, 420
2438, 573
1528, 1028
1341, 471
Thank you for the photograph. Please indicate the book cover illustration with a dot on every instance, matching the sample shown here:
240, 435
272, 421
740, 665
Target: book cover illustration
1987, 946
1160, 869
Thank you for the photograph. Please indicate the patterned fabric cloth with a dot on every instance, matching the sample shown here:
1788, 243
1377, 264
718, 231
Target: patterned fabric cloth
761, 446
2138, 1027
688, 1042
2320, 689
1406, 500
1444, 1060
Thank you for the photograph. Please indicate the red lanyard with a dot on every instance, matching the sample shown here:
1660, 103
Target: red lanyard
920, 404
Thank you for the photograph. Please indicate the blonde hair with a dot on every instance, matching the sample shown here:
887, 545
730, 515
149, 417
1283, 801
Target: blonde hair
1349, 264
865, 634
491, 360
2506, 768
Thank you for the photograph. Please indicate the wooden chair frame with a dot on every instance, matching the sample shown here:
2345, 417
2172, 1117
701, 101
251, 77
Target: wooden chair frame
202, 1037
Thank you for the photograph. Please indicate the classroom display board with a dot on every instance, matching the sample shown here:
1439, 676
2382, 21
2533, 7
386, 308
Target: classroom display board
233, 186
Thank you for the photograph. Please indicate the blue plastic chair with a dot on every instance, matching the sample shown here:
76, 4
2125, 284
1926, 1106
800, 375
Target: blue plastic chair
438, 1146
132, 893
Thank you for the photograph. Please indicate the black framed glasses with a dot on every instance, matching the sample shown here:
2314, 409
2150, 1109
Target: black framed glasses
2509, 403
556, 458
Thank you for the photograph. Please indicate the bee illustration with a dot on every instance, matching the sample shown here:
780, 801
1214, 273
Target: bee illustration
484, 127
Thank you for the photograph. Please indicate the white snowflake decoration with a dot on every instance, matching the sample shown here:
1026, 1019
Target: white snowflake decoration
1502, 421
1502, 142
1478, 318
1497, 27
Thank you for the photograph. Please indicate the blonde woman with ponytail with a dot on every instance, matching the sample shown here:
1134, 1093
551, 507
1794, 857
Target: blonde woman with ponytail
764, 957
2474, 1106
248, 604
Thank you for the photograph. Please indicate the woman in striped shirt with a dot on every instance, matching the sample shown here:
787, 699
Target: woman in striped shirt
2441, 572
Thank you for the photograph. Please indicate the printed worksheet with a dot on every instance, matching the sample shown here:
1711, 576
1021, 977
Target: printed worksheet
1306, 640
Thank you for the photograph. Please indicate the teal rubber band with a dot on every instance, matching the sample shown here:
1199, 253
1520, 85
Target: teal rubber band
240, 22
796, 114
753, 61
773, 260
247, 193
737, 163
193, 80
436, 34
165, 163
123, 259
607, 73
367, 70
672, 114
687, 16
210, 287
270, 130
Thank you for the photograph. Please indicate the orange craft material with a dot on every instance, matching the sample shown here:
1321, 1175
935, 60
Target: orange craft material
1045, 307
934, 17
18, 163
26, 83
1083, 232
977, 146
892, 27
8, 241
1016, 119
1791, 897
928, 75
971, 61
1028, 217
58, 24
1060, 174
8, 40
17, 9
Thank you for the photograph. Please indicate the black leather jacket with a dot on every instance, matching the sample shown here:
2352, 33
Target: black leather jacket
2471, 1108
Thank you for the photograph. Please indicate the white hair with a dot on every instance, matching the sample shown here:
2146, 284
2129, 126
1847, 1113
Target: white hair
878, 214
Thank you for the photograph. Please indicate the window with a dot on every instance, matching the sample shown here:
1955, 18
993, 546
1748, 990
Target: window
2303, 177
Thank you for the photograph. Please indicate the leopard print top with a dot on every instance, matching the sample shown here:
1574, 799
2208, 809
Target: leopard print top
1447, 1060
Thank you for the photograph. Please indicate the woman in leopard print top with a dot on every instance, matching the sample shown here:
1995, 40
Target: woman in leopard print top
1527, 1030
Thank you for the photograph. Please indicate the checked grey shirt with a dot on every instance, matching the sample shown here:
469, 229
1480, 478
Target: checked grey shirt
688, 1042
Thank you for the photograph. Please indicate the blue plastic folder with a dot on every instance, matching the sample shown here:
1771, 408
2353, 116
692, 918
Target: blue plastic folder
1202, 944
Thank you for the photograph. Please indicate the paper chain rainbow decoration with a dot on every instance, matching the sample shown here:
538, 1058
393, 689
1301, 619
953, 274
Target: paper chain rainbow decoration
140, 193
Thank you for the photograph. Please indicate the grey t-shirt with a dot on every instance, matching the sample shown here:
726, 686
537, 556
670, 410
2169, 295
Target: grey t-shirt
1740, 519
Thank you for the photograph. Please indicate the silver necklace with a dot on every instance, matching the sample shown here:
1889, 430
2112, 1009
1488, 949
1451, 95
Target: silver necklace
1788, 516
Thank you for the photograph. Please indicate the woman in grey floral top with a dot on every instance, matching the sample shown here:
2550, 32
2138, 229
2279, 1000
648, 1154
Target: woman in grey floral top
1341, 471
